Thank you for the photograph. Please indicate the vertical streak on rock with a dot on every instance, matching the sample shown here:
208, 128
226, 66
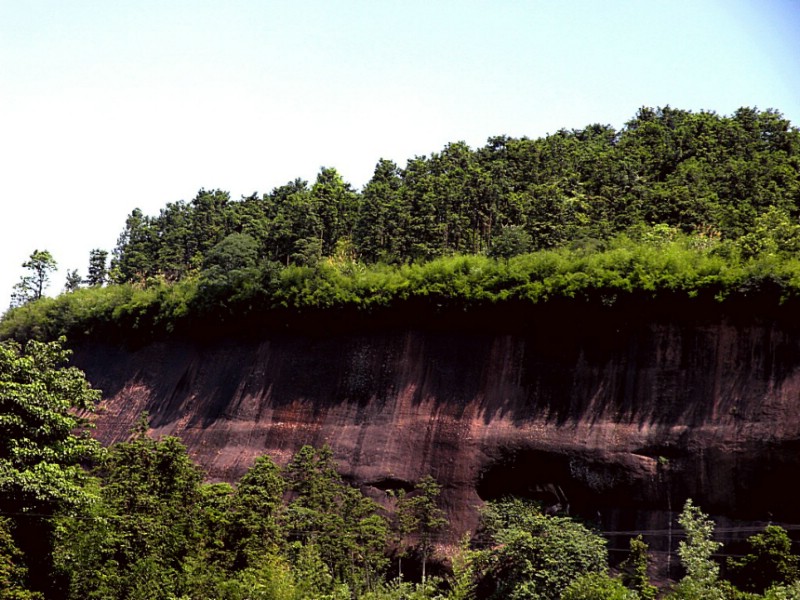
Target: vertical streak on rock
592, 408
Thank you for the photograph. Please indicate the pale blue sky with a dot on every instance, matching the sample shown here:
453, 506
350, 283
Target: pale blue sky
110, 105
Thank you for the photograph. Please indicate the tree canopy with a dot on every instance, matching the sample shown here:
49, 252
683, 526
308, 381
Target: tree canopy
42, 439
43, 445
31, 287
536, 556
690, 171
722, 191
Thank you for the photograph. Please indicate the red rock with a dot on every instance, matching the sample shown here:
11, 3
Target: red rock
616, 413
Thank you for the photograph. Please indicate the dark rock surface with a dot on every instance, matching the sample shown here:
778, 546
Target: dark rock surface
618, 413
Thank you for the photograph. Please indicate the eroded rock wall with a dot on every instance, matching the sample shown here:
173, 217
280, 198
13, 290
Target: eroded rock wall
619, 414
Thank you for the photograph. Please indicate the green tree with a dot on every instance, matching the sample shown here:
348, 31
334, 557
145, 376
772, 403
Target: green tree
366, 535
43, 442
312, 475
462, 582
229, 273
255, 512
291, 216
145, 527
31, 287
210, 221
701, 581
307, 251
270, 579
73, 282
511, 241
13, 573
314, 578
783, 592
212, 561
177, 248
134, 258
97, 272
534, 556
382, 221
420, 518
773, 232
769, 560
425, 222
634, 570
235, 252
598, 586
338, 520
335, 203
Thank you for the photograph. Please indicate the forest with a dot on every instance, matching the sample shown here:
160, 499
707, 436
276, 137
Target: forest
676, 202
691, 207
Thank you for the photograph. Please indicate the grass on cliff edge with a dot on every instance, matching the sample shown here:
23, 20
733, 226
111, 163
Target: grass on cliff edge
601, 272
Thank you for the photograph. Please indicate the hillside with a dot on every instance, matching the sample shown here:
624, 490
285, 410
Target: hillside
598, 319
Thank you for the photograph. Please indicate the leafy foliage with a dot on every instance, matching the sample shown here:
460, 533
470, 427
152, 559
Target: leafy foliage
462, 582
42, 439
73, 281
769, 561
535, 556
652, 262
142, 527
686, 170
13, 573
783, 592
674, 202
97, 271
702, 572
634, 570
419, 516
255, 510
43, 443
32, 286
598, 586
343, 525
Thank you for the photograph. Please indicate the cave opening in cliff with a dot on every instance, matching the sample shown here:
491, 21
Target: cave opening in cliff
536, 475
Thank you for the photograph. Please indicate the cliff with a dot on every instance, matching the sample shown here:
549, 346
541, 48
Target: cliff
616, 412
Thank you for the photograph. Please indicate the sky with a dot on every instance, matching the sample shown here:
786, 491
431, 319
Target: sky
110, 105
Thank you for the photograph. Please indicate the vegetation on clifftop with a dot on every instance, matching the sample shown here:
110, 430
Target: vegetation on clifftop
693, 204
662, 261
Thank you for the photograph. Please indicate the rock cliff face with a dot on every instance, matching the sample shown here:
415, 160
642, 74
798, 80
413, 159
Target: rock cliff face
617, 413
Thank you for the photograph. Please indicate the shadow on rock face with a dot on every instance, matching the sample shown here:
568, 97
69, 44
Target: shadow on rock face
633, 408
